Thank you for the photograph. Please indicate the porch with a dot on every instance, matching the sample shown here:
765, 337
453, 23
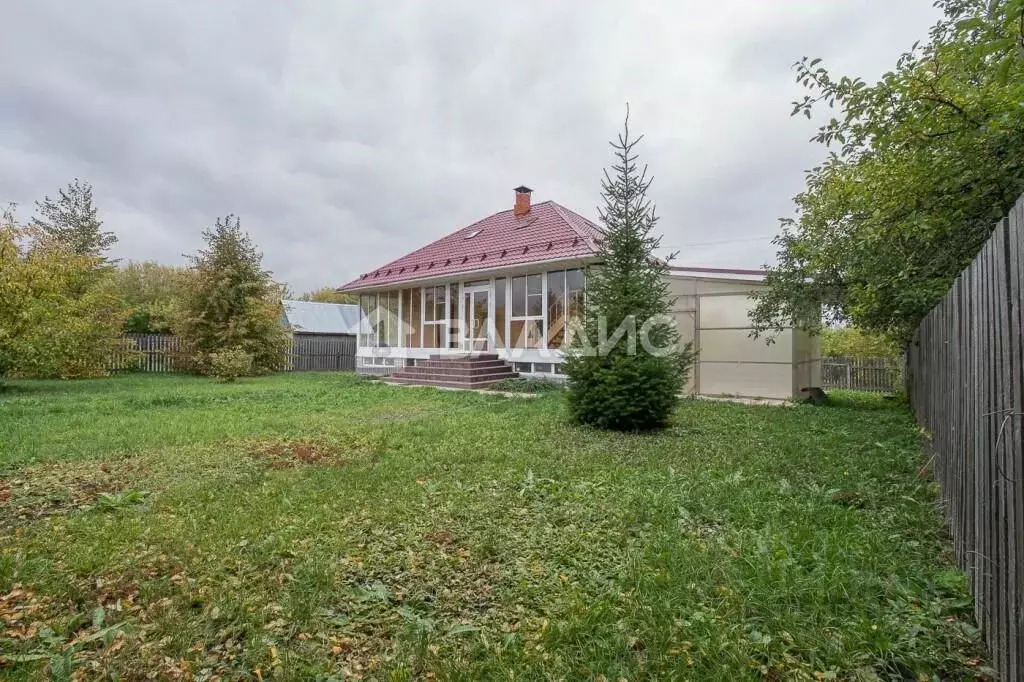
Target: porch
522, 318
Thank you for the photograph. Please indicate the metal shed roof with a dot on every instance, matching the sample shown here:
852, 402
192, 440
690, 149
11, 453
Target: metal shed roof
321, 318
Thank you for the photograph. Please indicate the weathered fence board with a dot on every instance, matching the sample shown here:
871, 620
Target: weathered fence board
966, 382
861, 374
323, 352
162, 353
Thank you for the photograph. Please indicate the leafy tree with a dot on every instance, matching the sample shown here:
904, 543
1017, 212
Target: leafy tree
231, 302
621, 384
851, 342
72, 220
921, 166
59, 316
153, 293
327, 295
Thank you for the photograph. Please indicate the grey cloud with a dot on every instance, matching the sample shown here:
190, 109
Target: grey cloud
346, 134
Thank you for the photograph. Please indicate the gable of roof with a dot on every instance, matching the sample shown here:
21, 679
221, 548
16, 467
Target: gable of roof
548, 232
321, 318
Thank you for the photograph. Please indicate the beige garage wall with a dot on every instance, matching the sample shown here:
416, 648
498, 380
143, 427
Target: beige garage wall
807, 361
715, 315
746, 380
726, 310
736, 345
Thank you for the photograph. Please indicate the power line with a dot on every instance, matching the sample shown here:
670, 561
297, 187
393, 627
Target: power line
724, 241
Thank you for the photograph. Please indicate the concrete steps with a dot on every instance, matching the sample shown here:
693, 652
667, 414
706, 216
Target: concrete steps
458, 371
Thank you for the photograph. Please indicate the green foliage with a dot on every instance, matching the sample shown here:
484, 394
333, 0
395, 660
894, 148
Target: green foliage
622, 384
527, 385
459, 536
851, 342
921, 166
232, 302
328, 295
59, 316
624, 392
230, 363
114, 502
153, 293
72, 221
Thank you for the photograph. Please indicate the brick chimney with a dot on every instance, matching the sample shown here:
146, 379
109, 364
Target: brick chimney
522, 200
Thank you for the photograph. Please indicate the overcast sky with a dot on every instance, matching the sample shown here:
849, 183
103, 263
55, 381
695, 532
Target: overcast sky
346, 134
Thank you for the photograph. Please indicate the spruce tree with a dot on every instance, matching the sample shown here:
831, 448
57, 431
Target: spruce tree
71, 220
231, 303
632, 382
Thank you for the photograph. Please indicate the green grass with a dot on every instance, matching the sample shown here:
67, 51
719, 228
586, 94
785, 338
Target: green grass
315, 526
528, 385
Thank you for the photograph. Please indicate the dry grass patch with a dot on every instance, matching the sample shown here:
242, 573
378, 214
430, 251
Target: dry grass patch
289, 454
59, 489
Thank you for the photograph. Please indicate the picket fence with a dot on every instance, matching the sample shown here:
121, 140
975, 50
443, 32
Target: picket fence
881, 375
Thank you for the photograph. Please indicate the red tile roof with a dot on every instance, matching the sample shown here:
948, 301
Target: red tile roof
548, 232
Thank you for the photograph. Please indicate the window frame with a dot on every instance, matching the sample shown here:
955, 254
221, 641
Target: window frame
442, 322
543, 317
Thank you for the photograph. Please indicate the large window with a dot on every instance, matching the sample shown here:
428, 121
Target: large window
527, 328
387, 321
530, 311
379, 320
434, 320
575, 298
556, 309
411, 318
565, 306
368, 320
499, 312
453, 315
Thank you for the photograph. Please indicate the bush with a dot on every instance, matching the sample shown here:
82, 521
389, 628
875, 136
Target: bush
228, 365
59, 317
624, 392
851, 342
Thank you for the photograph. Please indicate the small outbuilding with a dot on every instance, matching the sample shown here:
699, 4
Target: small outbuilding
712, 310
323, 335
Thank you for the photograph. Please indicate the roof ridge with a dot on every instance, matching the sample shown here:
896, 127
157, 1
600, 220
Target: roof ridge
476, 254
562, 210
464, 228
559, 231
442, 238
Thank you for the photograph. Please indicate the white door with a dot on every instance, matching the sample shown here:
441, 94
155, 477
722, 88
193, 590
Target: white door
476, 333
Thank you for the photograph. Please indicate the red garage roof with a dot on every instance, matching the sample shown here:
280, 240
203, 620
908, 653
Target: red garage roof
526, 234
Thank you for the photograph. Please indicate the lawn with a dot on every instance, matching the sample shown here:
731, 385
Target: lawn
319, 526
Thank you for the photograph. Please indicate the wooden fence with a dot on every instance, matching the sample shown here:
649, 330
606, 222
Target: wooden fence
966, 378
162, 353
323, 352
883, 375
147, 353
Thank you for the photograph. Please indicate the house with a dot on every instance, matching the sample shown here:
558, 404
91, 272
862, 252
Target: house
323, 334
502, 295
